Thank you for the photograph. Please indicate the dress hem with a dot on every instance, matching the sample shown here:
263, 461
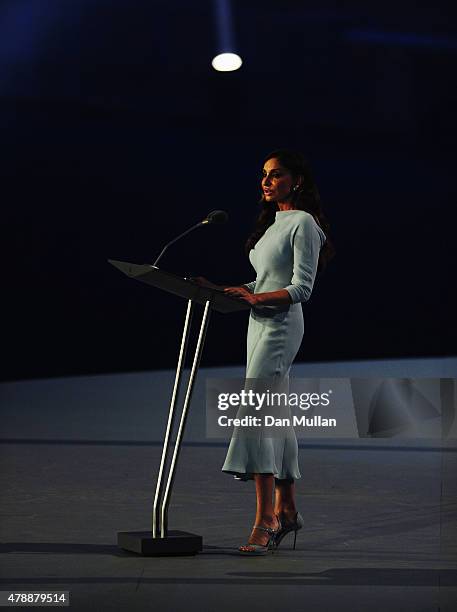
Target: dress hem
245, 476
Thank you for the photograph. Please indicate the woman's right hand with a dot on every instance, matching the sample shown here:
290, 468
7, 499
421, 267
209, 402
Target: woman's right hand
243, 293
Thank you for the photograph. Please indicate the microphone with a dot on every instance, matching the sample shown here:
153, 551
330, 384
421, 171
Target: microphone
214, 217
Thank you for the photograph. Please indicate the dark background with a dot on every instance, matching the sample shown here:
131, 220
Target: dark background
117, 135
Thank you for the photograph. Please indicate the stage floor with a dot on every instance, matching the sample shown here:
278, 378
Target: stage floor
380, 533
79, 460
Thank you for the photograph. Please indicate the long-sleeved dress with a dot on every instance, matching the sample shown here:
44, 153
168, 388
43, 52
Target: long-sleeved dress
285, 257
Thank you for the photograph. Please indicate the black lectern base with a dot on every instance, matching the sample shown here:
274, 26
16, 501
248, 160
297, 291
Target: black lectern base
176, 543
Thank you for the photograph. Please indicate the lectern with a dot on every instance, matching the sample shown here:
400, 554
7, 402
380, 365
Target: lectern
160, 541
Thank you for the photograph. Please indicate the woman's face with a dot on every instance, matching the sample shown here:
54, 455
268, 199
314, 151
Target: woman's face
277, 182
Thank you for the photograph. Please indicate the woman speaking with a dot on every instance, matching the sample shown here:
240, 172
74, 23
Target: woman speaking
289, 244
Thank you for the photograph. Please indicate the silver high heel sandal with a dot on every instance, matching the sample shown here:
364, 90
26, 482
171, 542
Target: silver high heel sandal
258, 548
294, 526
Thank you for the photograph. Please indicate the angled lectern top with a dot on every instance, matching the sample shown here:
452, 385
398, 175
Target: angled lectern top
146, 273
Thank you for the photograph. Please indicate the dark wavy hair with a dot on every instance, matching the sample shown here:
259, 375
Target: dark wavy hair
306, 198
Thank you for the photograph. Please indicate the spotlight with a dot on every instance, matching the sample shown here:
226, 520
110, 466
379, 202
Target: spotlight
226, 62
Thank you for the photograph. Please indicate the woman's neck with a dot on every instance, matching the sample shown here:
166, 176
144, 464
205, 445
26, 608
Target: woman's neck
286, 206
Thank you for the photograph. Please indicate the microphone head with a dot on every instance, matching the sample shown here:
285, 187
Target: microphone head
217, 216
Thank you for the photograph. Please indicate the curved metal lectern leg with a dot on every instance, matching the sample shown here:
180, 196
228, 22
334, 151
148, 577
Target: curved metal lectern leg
190, 386
171, 415
161, 541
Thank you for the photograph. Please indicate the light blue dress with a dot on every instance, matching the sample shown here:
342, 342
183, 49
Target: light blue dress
285, 257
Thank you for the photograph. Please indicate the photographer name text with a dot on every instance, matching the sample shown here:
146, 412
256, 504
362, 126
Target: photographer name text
271, 421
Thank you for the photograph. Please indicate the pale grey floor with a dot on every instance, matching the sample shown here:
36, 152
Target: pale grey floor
79, 460
380, 530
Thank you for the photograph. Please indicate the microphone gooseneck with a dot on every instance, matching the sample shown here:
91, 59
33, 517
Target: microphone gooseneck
214, 217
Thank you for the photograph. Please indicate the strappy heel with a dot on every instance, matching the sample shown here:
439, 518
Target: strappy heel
294, 526
258, 549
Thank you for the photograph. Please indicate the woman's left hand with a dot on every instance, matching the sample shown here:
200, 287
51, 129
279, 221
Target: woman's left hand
243, 293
